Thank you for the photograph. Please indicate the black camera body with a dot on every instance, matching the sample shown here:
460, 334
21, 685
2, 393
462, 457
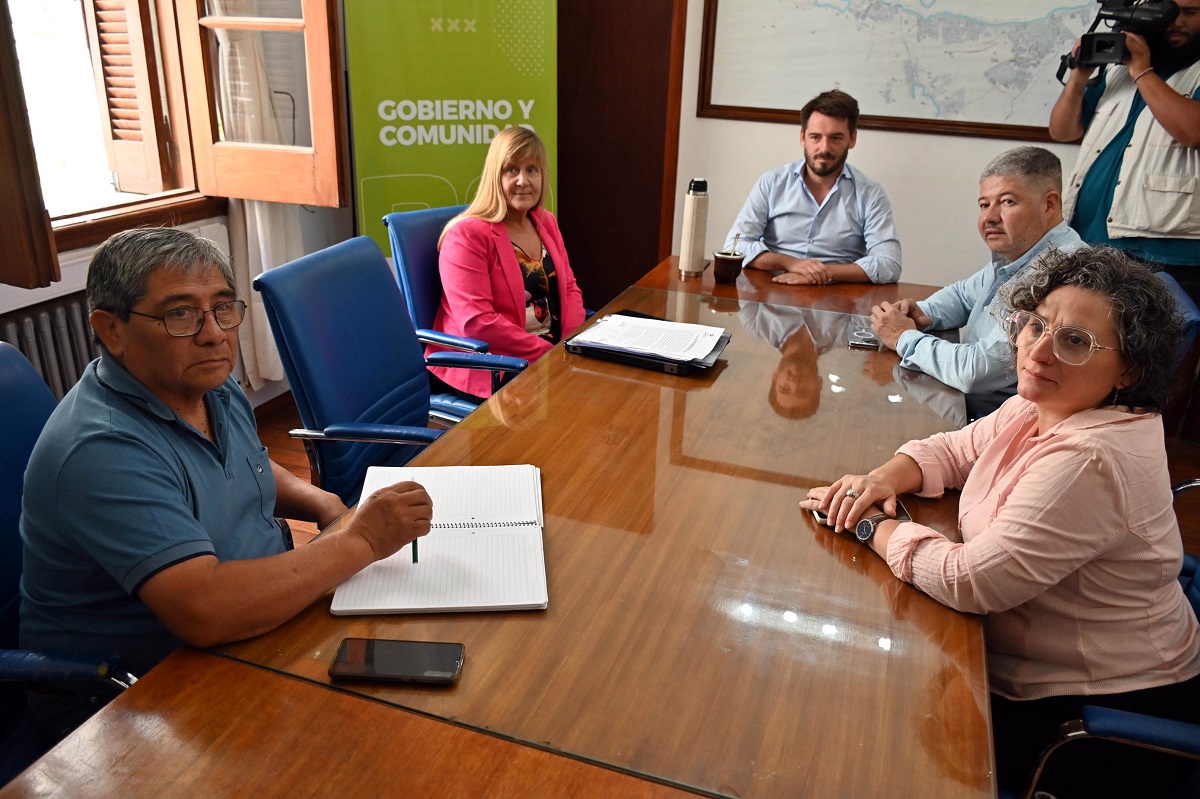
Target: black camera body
1142, 17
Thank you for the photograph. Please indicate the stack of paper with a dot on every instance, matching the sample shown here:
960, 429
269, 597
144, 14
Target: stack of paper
676, 341
483, 553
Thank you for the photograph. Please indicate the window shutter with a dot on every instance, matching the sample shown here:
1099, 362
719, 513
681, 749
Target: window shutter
308, 175
121, 39
30, 260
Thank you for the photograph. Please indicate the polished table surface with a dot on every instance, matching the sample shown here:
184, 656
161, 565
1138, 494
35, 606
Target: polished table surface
701, 631
201, 725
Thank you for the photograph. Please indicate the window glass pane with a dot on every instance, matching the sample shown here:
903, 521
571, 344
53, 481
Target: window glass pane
64, 116
261, 88
276, 9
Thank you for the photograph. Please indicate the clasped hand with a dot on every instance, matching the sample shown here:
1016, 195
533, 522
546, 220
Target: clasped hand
850, 499
890, 319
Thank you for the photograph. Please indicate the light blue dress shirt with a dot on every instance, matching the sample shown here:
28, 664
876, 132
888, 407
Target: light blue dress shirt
980, 362
853, 225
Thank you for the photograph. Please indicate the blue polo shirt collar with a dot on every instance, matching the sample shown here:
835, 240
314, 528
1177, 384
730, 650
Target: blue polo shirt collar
115, 377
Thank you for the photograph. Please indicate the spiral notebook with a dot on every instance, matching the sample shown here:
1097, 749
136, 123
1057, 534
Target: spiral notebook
484, 551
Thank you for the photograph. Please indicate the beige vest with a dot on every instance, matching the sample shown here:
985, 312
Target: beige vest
1156, 192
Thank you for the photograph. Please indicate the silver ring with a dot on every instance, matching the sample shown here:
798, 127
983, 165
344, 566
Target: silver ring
851, 493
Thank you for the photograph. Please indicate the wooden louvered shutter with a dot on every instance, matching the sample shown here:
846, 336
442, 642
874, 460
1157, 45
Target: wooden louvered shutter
121, 39
30, 260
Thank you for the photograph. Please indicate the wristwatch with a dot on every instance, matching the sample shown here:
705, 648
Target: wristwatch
866, 527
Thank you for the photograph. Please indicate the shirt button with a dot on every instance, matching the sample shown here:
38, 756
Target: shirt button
260, 469
229, 472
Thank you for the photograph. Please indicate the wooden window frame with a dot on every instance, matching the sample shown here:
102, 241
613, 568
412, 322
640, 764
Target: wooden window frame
36, 239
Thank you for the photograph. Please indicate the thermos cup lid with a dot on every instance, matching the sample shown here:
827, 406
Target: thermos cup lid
698, 186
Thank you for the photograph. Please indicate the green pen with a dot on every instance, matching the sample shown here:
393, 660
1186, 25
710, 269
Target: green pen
414, 550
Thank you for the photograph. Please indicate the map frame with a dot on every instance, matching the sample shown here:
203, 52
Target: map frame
707, 108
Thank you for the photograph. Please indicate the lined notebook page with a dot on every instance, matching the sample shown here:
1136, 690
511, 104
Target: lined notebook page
485, 552
469, 495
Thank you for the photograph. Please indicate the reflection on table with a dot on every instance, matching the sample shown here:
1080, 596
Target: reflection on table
200, 725
699, 633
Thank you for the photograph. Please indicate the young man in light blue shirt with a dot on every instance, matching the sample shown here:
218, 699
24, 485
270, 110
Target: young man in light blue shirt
1020, 217
820, 220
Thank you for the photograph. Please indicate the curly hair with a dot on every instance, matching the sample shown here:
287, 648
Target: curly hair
1148, 321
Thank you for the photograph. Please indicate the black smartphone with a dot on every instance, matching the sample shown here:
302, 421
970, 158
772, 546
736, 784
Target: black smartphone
436, 662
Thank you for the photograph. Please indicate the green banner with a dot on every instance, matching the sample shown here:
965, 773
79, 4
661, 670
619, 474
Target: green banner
431, 83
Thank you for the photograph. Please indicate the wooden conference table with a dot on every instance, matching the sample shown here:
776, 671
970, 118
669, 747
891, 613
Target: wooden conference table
701, 633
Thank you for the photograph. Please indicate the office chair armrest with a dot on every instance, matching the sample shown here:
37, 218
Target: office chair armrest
1186, 485
426, 336
25, 664
378, 433
1142, 730
450, 408
477, 360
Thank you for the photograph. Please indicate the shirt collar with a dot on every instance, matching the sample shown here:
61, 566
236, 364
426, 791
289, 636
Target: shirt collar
1055, 237
114, 376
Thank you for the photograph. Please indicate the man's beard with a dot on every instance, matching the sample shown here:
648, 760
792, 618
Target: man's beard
1167, 59
824, 172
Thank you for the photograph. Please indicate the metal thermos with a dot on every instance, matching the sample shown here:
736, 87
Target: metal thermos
695, 219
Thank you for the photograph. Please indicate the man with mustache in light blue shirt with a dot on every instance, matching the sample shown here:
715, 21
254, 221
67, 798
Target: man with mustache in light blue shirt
1020, 218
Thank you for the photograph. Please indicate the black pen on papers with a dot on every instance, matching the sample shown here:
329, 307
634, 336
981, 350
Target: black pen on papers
414, 550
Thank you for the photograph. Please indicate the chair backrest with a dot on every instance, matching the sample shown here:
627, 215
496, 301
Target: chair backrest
1186, 357
350, 354
27, 404
414, 236
1189, 311
1190, 581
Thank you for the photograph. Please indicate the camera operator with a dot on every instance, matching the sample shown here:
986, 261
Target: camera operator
1136, 185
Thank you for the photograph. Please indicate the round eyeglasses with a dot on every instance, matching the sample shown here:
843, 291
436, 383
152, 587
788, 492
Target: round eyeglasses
1072, 345
188, 321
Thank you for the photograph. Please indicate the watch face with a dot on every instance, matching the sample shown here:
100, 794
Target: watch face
864, 529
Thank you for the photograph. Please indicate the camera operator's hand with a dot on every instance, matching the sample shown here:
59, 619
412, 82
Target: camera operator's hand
1137, 53
1081, 73
1066, 121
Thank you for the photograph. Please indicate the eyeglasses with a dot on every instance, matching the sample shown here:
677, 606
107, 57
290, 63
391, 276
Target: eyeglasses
188, 321
1072, 345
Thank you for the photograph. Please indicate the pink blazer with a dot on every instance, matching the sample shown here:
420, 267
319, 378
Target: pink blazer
483, 294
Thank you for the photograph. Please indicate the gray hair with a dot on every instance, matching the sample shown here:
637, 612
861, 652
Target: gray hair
1034, 165
1148, 322
120, 269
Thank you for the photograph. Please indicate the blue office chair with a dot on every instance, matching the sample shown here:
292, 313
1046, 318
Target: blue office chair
356, 369
414, 237
1136, 729
1186, 359
27, 404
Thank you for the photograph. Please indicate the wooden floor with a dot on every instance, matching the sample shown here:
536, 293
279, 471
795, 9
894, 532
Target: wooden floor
278, 416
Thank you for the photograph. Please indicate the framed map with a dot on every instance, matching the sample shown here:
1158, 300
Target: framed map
965, 67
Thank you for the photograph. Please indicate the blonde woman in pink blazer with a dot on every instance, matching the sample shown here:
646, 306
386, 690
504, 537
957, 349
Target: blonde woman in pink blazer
505, 274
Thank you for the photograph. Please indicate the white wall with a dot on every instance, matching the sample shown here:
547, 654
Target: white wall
320, 228
932, 181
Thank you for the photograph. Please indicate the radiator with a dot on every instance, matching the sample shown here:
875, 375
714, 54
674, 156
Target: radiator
55, 337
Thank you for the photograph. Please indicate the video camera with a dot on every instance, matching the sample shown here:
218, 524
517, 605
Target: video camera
1136, 16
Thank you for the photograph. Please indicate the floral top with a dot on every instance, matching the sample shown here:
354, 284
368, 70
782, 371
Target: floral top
543, 312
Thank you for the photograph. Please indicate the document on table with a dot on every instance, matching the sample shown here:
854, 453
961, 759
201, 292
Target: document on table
676, 341
484, 551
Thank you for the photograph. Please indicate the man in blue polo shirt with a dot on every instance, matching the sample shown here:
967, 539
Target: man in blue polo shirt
149, 508
1136, 185
820, 220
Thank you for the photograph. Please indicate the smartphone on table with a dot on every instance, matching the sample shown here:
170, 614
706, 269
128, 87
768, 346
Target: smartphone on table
435, 662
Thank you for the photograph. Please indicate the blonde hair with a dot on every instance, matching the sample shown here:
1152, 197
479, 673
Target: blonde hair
510, 146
